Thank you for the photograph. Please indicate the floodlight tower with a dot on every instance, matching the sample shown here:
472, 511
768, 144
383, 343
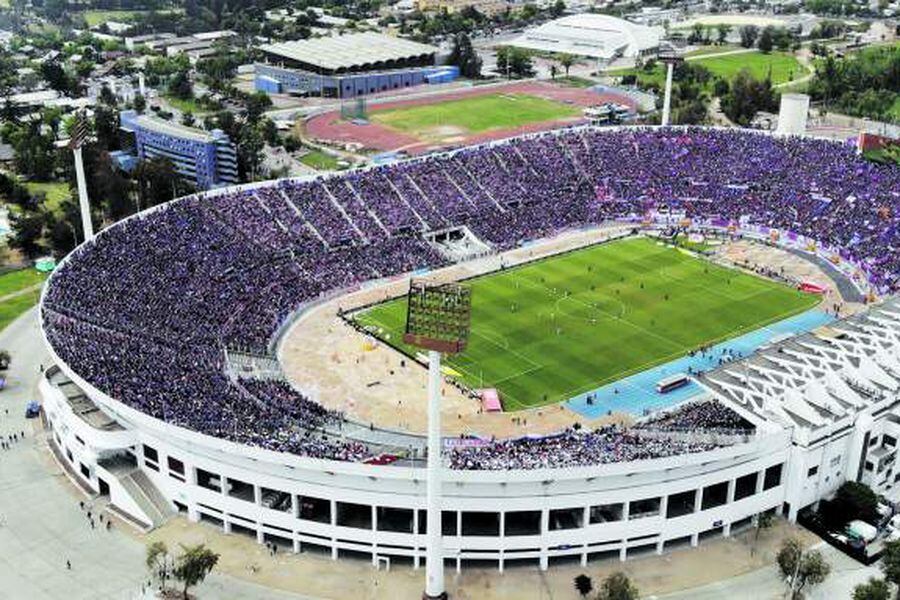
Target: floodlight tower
79, 134
670, 57
437, 320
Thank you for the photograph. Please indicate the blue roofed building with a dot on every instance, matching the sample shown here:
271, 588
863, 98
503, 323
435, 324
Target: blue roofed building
207, 159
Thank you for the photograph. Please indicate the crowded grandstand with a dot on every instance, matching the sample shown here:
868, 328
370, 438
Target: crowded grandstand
147, 311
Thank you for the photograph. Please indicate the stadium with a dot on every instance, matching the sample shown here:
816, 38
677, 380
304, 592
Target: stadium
684, 327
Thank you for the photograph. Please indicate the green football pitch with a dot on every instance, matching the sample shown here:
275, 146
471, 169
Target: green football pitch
474, 115
548, 330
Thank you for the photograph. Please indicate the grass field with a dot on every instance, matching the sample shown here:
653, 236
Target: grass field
55, 192
785, 67
474, 115
19, 291
546, 331
319, 160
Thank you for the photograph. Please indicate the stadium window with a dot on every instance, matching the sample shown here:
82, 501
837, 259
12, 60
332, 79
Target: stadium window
873, 441
836, 461
350, 514
889, 441
150, 454
240, 490
772, 477
522, 522
606, 513
681, 504
395, 519
714, 495
273, 499
745, 486
85, 471
869, 466
566, 518
314, 509
209, 481
175, 465
481, 524
812, 471
642, 509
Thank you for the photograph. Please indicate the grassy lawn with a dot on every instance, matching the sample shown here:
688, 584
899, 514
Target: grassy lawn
55, 192
783, 65
17, 281
575, 82
182, 105
319, 160
543, 332
713, 50
474, 115
97, 17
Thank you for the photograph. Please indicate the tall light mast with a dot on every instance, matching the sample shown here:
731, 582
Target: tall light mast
79, 134
437, 320
670, 58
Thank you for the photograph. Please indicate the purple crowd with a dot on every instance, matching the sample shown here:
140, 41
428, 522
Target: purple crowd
146, 312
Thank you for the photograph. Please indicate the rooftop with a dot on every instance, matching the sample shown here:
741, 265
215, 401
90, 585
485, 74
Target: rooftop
349, 51
166, 127
592, 35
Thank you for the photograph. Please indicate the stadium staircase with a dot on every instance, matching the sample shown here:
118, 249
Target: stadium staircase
367, 208
300, 214
484, 190
343, 212
147, 496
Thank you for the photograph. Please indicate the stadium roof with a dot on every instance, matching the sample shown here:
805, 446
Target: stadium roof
171, 129
591, 35
819, 380
349, 51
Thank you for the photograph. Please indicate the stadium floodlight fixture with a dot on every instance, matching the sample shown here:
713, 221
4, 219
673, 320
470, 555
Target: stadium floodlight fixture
79, 134
437, 320
437, 316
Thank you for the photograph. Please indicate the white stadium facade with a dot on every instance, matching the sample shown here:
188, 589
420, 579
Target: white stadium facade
825, 406
595, 36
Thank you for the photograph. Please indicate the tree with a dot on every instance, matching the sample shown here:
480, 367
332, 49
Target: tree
766, 40
157, 182
27, 232
801, 569
852, 501
618, 587
139, 103
566, 61
256, 104
723, 29
748, 33
181, 87
874, 589
746, 97
463, 55
157, 561
558, 8
193, 566
584, 585
764, 520
890, 563
514, 62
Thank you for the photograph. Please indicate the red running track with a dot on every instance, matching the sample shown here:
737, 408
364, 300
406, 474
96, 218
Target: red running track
329, 127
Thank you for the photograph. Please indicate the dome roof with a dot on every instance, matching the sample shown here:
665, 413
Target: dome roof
591, 35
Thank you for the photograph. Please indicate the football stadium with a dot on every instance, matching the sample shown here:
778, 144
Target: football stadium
672, 332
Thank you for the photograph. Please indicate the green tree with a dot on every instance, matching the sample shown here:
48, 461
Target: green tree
749, 34
723, 30
566, 61
463, 55
852, 501
158, 563
139, 103
181, 87
514, 62
746, 97
874, 589
617, 586
27, 232
157, 182
766, 40
801, 570
584, 585
890, 563
558, 8
256, 104
193, 566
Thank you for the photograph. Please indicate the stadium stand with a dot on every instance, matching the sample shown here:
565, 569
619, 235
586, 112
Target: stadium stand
147, 310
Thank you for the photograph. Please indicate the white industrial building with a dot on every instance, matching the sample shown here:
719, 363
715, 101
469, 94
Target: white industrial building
589, 35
